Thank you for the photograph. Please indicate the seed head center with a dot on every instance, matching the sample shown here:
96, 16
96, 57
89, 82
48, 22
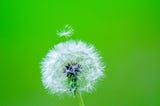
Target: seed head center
72, 70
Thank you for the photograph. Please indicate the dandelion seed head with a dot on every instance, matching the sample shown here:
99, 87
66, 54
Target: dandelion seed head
67, 31
72, 66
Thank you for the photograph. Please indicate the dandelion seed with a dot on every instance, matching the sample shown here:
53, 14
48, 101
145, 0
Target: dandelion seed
71, 67
67, 31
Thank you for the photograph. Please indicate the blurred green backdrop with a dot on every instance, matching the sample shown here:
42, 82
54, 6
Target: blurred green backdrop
126, 32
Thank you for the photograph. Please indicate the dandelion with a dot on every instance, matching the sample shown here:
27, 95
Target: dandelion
72, 67
67, 31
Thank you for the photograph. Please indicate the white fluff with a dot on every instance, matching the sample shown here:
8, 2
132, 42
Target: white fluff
67, 31
71, 51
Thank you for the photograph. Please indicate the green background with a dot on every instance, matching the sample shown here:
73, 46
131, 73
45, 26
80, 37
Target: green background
126, 32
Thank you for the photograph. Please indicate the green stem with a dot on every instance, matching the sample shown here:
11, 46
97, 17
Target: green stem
81, 103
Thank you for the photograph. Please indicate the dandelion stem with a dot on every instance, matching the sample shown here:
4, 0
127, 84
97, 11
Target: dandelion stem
81, 103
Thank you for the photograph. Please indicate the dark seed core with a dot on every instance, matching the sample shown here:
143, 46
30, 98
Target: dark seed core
72, 70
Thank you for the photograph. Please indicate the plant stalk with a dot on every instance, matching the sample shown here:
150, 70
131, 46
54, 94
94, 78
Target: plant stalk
81, 102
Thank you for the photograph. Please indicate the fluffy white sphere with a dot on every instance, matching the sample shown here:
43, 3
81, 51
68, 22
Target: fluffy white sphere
71, 52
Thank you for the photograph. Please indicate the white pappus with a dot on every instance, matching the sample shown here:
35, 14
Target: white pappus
67, 31
71, 66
